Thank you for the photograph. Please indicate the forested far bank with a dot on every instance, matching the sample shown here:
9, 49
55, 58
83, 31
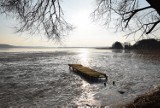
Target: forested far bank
142, 44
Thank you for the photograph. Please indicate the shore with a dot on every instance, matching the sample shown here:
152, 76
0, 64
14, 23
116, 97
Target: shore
150, 99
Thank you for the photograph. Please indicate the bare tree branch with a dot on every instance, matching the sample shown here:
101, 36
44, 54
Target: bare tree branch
153, 26
132, 13
128, 15
44, 16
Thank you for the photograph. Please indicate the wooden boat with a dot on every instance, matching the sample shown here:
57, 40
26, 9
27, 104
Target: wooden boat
86, 71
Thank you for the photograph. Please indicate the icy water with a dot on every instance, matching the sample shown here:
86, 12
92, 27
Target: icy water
41, 77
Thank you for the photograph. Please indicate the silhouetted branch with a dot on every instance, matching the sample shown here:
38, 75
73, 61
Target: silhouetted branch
125, 12
132, 13
153, 26
44, 16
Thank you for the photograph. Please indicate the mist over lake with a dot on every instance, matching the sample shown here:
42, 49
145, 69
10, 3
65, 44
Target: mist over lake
41, 77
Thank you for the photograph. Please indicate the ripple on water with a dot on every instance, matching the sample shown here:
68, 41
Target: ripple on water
44, 80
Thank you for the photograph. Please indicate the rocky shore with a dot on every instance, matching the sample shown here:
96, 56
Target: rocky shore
149, 99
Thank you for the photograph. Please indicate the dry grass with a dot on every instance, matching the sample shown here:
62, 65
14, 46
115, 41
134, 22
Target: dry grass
148, 100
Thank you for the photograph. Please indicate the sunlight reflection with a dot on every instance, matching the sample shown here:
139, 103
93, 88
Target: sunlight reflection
84, 57
87, 97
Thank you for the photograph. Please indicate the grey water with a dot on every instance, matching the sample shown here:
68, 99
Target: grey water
41, 77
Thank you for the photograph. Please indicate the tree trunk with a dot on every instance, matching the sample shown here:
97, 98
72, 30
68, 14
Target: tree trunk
155, 4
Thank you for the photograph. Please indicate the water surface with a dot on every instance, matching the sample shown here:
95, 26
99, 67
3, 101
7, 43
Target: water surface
41, 78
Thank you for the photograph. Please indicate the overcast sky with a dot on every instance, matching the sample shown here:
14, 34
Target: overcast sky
86, 33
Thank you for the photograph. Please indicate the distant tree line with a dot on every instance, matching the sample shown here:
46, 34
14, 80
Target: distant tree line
142, 44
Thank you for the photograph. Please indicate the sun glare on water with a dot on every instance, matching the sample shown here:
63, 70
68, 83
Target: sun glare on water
87, 97
84, 57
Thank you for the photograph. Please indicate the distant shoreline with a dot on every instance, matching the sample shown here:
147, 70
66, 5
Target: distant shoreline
12, 46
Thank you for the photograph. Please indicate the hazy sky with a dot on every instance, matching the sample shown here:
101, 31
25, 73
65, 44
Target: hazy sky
77, 12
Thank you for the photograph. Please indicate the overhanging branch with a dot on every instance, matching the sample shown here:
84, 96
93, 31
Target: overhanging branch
154, 24
133, 12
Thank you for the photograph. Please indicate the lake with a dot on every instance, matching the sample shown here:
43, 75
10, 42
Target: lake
41, 77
